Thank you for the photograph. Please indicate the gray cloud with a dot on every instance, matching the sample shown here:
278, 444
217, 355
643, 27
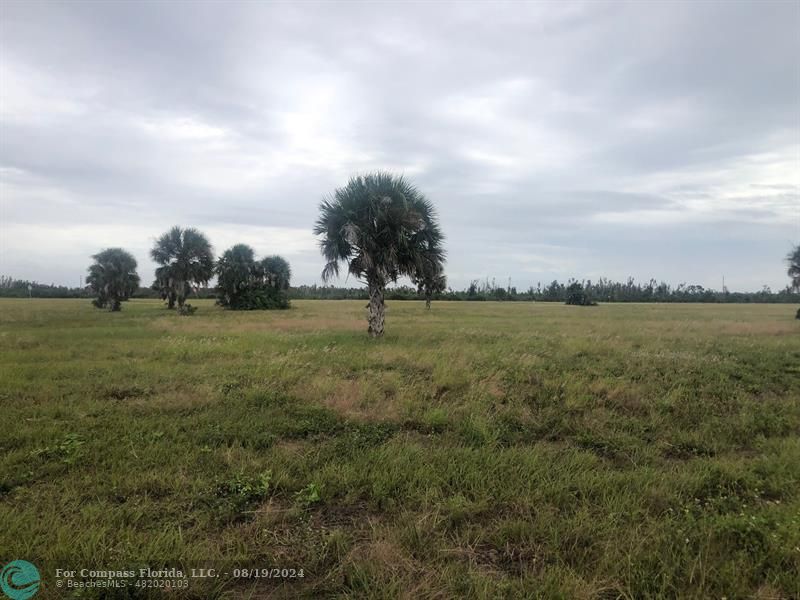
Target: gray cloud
557, 139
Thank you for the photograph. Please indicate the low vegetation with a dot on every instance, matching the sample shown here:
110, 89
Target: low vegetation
479, 449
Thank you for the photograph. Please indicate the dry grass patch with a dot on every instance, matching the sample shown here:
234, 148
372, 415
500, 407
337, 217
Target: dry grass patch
293, 447
228, 322
623, 396
364, 399
383, 552
494, 386
180, 399
761, 328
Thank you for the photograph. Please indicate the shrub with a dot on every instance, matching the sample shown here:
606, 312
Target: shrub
578, 296
187, 310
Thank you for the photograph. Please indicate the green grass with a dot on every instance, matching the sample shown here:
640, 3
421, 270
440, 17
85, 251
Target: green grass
479, 450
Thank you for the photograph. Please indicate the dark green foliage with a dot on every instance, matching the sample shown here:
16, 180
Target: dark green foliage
578, 296
603, 290
380, 224
163, 285
186, 260
276, 272
383, 227
236, 274
793, 258
187, 310
430, 280
232, 498
112, 278
243, 283
21, 288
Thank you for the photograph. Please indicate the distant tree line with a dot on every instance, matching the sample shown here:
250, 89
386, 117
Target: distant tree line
23, 288
602, 290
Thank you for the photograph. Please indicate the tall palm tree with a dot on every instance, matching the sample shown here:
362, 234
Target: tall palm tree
188, 259
384, 228
793, 258
112, 277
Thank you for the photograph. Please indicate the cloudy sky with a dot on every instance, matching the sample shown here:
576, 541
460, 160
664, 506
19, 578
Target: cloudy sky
557, 140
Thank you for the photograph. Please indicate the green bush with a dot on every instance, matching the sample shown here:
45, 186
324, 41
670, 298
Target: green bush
243, 283
578, 296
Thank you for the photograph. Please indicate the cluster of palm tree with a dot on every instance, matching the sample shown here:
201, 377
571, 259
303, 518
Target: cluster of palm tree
383, 228
379, 224
186, 262
244, 283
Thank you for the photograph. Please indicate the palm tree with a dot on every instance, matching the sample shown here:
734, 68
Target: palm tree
236, 273
112, 277
431, 280
187, 258
163, 285
277, 272
384, 228
793, 258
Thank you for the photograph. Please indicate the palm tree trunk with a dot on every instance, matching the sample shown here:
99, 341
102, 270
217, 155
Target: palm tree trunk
377, 309
428, 301
180, 293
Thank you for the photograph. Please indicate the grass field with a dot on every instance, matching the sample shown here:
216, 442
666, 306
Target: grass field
479, 450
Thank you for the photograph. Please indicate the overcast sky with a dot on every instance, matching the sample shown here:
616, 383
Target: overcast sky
557, 140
